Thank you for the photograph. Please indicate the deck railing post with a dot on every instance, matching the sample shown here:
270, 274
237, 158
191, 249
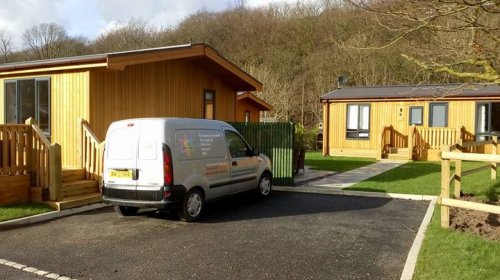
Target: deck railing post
79, 139
494, 143
445, 188
30, 152
55, 170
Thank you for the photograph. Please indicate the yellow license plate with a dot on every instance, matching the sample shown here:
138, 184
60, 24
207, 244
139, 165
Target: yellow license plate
122, 174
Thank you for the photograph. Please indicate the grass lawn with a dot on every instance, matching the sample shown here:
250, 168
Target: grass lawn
445, 254
22, 210
452, 255
340, 164
425, 178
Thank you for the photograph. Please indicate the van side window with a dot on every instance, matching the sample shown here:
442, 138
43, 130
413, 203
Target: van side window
237, 147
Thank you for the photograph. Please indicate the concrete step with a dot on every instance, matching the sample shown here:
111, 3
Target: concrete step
401, 156
80, 187
75, 201
386, 160
73, 174
394, 150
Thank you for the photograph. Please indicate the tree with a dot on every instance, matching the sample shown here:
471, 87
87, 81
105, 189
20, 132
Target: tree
461, 37
5, 46
45, 41
136, 34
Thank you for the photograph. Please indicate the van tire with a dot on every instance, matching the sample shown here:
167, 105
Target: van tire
192, 206
265, 185
126, 210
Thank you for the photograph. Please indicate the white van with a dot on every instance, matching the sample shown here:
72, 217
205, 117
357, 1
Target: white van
174, 162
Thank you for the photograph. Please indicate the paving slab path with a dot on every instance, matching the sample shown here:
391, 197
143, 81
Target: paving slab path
352, 177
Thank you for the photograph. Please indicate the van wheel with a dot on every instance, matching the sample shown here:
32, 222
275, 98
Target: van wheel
192, 206
126, 210
265, 185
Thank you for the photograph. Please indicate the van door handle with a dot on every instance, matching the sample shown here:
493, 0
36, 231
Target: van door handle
234, 163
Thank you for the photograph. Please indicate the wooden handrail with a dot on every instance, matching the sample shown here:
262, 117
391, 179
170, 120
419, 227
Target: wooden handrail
382, 140
91, 152
475, 144
39, 133
47, 164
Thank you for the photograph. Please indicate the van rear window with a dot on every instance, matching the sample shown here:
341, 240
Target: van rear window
147, 143
121, 143
200, 144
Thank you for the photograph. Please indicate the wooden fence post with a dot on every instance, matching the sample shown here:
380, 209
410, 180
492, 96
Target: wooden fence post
55, 170
494, 143
458, 170
458, 178
445, 188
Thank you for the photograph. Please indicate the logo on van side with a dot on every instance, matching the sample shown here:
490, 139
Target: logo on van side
186, 145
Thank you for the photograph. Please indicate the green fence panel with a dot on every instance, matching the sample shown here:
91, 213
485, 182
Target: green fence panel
274, 140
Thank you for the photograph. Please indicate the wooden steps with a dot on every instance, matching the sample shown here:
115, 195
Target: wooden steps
397, 154
76, 188
77, 191
73, 174
75, 201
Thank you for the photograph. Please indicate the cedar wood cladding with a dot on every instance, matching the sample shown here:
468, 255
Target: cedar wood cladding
161, 82
390, 105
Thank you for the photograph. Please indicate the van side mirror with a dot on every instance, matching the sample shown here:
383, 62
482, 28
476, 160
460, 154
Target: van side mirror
256, 152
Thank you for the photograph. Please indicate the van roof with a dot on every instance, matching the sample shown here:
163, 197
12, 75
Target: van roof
188, 123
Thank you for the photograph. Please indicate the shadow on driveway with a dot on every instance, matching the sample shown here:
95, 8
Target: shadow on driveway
280, 204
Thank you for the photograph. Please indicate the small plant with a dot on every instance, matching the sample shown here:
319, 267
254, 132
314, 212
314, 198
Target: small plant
304, 138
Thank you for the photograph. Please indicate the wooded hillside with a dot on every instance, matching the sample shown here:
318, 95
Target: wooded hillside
299, 51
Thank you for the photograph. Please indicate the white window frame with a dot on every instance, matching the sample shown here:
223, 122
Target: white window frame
356, 128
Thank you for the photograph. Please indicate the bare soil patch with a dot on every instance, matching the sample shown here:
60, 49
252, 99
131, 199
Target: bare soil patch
484, 224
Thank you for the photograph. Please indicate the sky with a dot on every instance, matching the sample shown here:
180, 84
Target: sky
89, 18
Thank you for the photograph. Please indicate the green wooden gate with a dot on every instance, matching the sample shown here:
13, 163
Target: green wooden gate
274, 140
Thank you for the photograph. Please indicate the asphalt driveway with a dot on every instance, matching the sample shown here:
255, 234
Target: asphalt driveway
287, 236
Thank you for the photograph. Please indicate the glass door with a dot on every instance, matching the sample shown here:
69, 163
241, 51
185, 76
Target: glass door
11, 102
28, 98
487, 120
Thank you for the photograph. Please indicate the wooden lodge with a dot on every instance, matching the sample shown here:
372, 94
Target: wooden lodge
249, 107
55, 113
407, 122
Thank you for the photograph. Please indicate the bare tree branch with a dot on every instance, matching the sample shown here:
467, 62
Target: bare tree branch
5, 46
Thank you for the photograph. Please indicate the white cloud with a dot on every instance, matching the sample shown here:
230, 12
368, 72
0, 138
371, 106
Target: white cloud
91, 18
110, 26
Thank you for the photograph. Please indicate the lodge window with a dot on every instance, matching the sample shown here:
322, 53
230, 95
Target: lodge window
358, 121
438, 115
209, 104
487, 120
416, 115
28, 98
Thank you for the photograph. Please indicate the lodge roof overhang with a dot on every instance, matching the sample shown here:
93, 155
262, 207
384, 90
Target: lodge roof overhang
414, 93
201, 54
259, 103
